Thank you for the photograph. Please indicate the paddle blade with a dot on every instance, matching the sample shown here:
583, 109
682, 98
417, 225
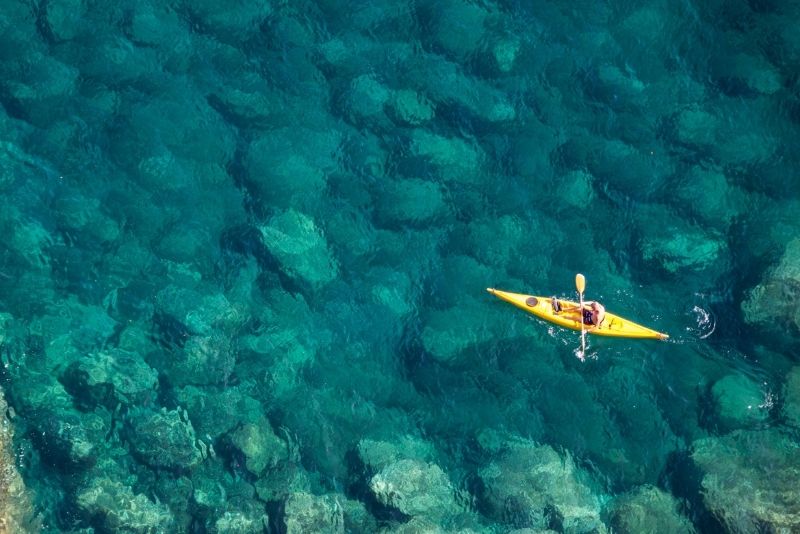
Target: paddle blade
580, 282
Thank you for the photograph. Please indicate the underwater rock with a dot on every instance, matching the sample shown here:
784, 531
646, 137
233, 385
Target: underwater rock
410, 108
619, 90
248, 101
16, 512
683, 248
393, 290
460, 271
418, 525
364, 100
457, 27
366, 156
163, 439
86, 215
241, 522
639, 441
176, 493
299, 245
376, 455
288, 167
791, 398
718, 210
304, 512
224, 502
410, 201
26, 238
259, 446
640, 48
215, 411
444, 83
749, 480
42, 392
742, 73
453, 158
415, 488
111, 377
200, 314
186, 243
647, 509
697, 127
529, 485
357, 518
774, 302
505, 52
450, 332
115, 507
623, 165
66, 19
498, 241
575, 190
203, 360
286, 479
158, 26
166, 129
752, 144
234, 22
41, 82
69, 439
738, 403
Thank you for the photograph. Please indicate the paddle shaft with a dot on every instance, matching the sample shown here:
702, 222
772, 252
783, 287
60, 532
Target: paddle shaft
580, 285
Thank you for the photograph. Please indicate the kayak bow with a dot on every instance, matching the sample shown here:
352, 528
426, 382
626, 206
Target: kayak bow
570, 316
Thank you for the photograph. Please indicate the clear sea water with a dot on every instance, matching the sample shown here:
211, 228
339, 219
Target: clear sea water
245, 247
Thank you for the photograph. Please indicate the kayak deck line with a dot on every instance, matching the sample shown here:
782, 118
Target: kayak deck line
570, 316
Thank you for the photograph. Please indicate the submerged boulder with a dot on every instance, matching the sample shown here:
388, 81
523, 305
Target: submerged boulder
258, 445
647, 509
241, 522
774, 302
304, 512
16, 512
111, 377
415, 488
410, 108
454, 159
233, 22
532, 486
114, 506
738, 402
678, 249
791, 398
410, 201
163, 439
299, 246
377, 454
215, 411
749, 480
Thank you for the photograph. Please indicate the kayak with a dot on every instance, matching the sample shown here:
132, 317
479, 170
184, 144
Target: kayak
570, 316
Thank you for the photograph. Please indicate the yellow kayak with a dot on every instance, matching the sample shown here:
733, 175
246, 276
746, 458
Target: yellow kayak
570, 316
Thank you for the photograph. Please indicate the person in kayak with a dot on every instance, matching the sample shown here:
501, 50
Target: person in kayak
595, 314
592, 315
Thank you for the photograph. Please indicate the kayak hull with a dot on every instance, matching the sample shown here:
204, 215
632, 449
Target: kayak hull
570, 316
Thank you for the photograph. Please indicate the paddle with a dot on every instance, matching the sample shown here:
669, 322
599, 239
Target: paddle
580, 284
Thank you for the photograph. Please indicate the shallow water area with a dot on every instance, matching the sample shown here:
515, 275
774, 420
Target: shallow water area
244, 250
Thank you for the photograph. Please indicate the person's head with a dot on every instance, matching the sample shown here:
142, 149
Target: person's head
595, 306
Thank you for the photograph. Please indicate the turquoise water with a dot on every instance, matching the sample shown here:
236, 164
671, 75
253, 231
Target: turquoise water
245, 250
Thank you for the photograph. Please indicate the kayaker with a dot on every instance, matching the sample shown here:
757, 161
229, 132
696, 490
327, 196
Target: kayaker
595, 314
